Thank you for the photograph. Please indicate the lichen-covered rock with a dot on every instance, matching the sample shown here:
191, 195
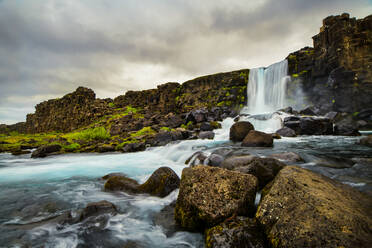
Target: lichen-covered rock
265, 169
239, 130
121, 183
209, 195
239, 232
43, 151
367, 141
305, 209
162, 182
258, 139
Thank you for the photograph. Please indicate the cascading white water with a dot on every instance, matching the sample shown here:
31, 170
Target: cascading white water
266, 93
266, 88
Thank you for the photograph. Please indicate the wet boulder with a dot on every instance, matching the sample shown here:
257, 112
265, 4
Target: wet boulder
165, 219
287, 156
367, 141
162, 182
316, 126
309, 111
215, 160
113, 174
239, 130
209, 195
134, 147
121, 183
197, 158
286, 132
206, 126
309, 125
265, 169
258, 139
206, 135
43, 151
346, 128
236, 232
304, 209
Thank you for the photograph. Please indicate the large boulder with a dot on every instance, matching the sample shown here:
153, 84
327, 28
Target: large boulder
265, 169
121, 183
286, 132
43, 151
258, 139
305, 209
209, 195
367, 141
309, 125
163, 181
239, 130
239, 232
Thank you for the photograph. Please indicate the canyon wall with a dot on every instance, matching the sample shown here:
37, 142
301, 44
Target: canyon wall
336, 74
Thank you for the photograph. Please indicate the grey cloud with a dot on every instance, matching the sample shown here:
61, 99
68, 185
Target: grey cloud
51, 47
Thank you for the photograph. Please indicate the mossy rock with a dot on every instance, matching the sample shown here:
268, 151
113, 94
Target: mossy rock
121, 183
209, 195
239, 232
162, 182
305, 209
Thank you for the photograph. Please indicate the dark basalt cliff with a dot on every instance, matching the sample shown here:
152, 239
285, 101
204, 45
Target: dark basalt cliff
336, 75
70, 112
81, 108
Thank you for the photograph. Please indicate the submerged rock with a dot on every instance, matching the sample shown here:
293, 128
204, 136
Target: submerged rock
162, 182
197, 158
304, 209
97, 208
367, 141
43, 151
239, 232
265, 169
165, 219
209, 195
258, 139
286, 132
287, 156
239, 130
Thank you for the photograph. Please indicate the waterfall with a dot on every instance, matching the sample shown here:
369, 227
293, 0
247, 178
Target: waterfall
266, 88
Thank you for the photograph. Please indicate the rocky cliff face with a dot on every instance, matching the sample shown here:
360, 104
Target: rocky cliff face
222, 89
70, 112
336, 75
81, 108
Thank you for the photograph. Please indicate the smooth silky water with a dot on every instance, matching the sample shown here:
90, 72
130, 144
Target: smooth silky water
34, 191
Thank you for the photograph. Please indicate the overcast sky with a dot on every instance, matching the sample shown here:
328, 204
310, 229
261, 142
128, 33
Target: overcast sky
49, 48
